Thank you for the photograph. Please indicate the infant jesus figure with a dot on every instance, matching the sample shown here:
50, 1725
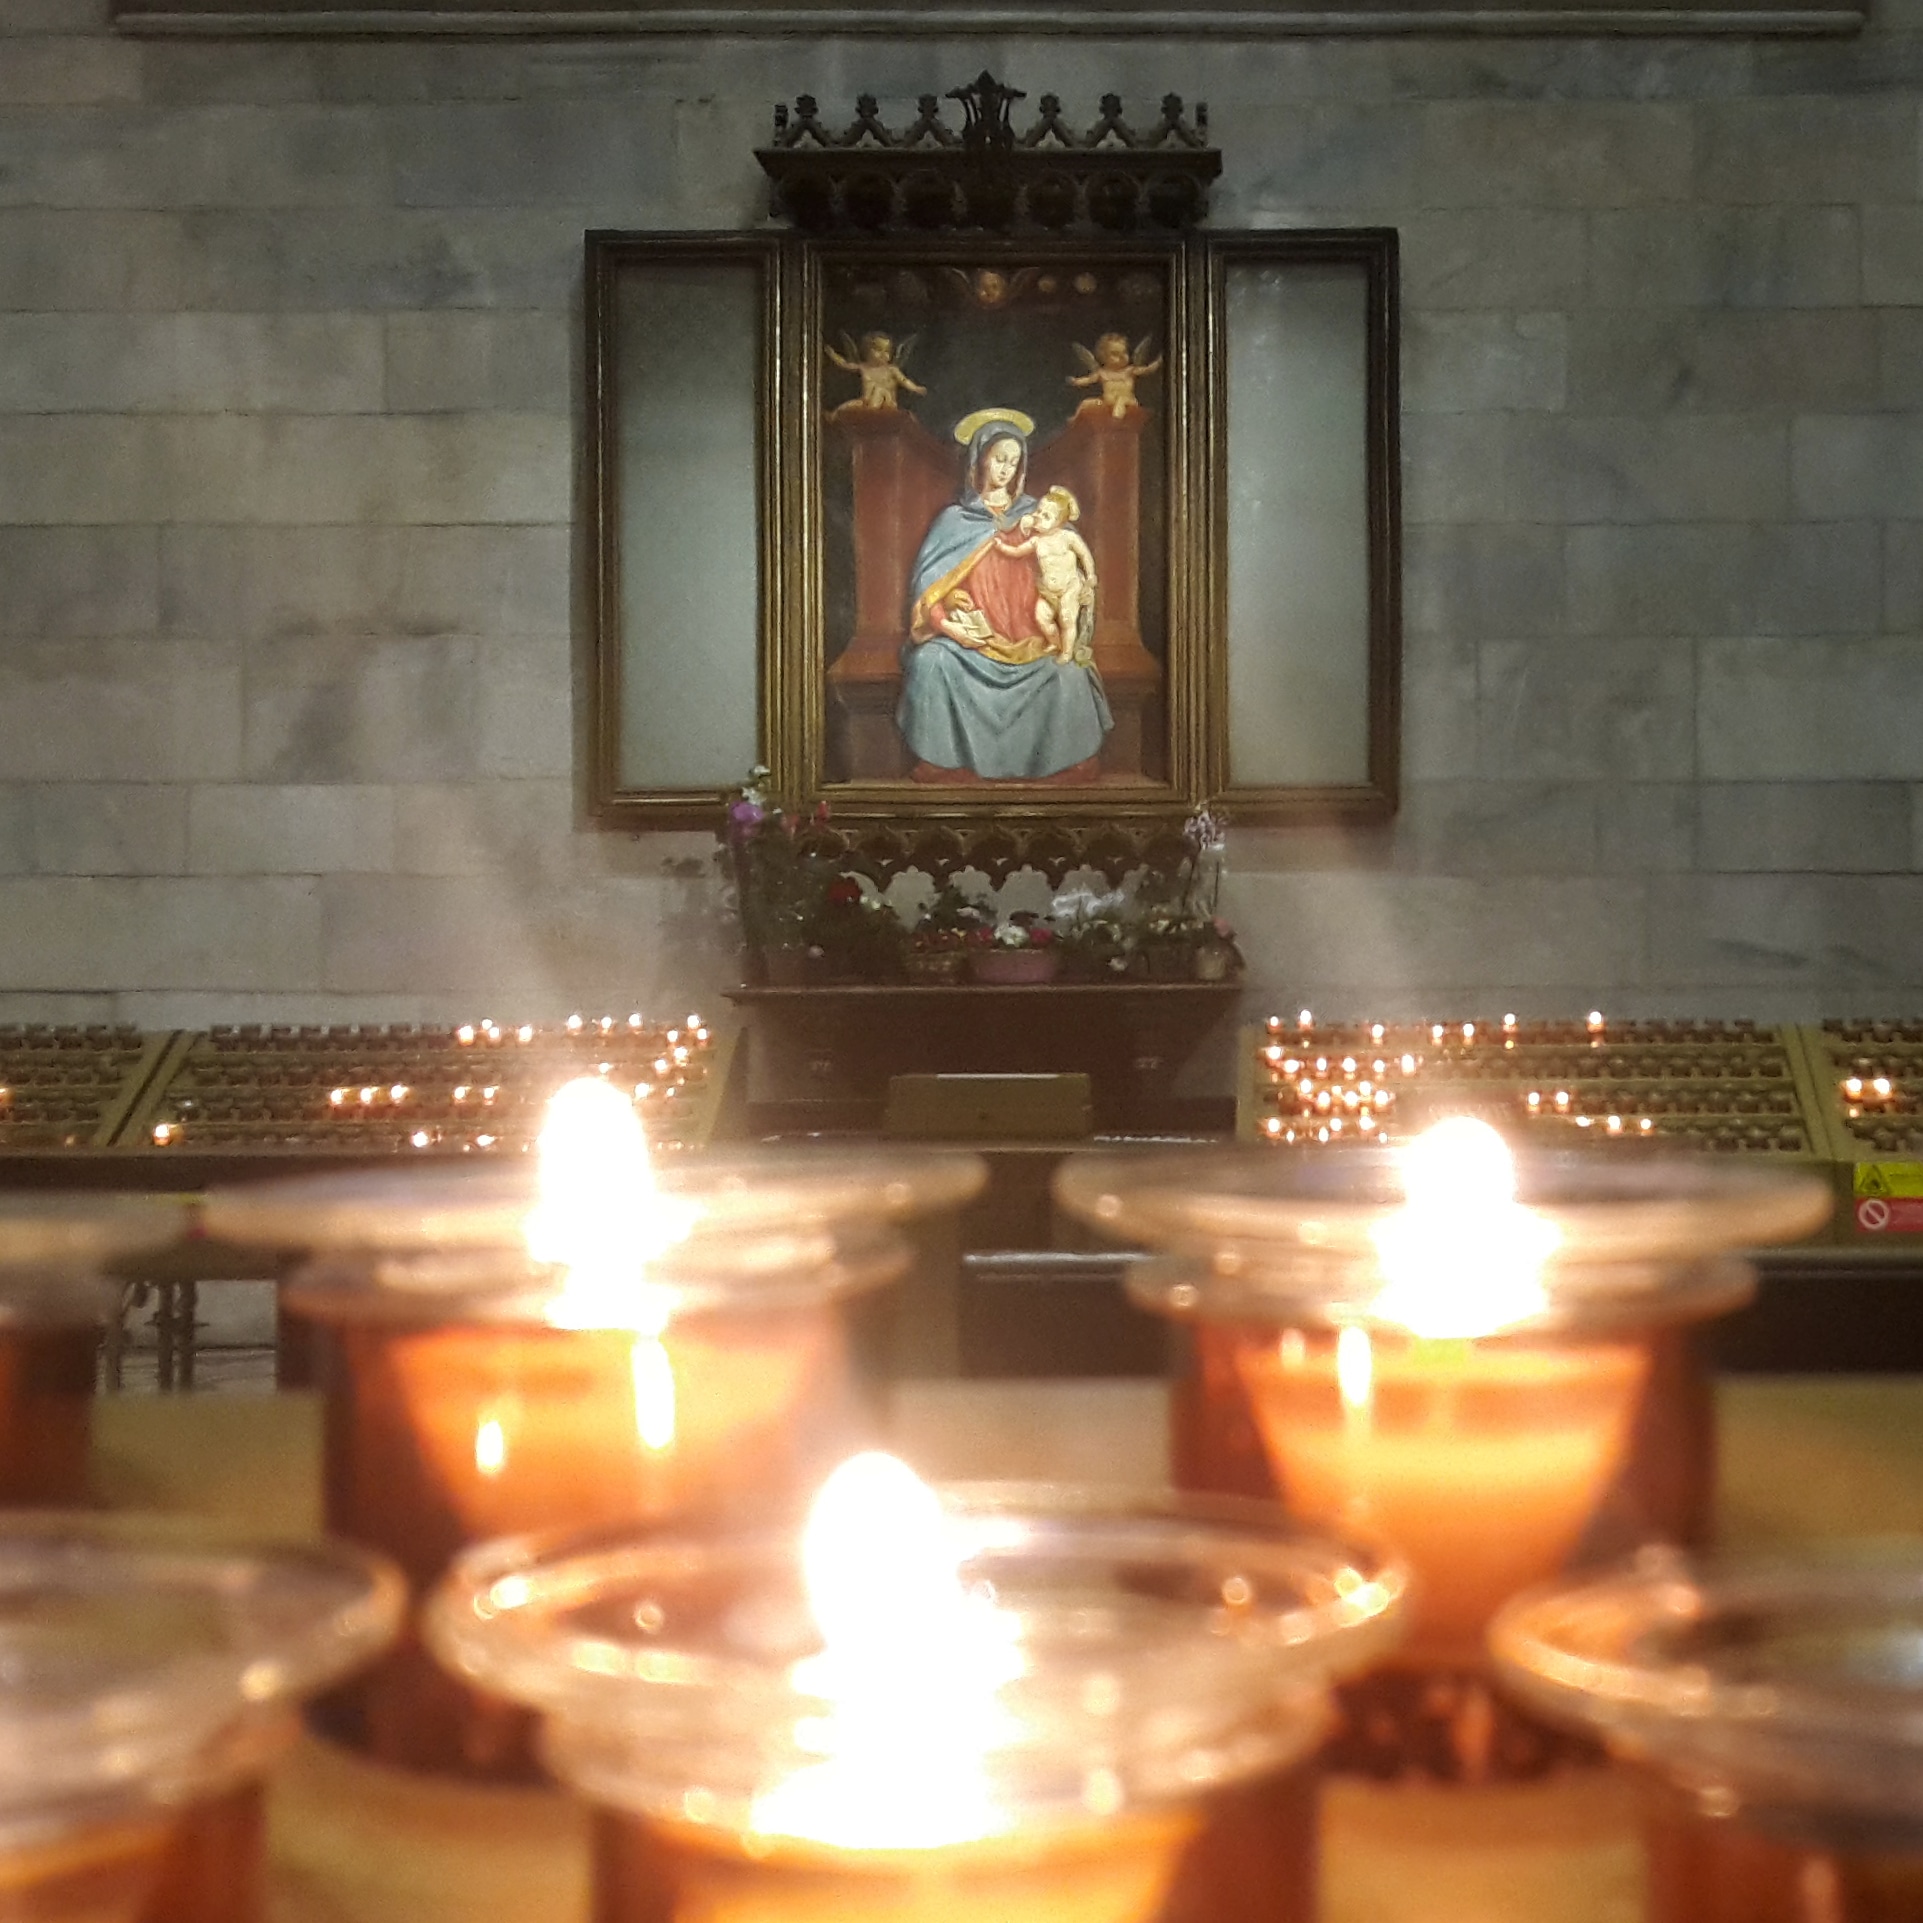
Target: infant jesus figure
1065, 603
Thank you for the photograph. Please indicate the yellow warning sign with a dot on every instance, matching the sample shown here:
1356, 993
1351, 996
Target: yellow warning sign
1889, 1178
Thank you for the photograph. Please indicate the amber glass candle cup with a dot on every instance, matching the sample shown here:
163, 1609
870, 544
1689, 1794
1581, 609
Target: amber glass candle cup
1774, 1711
55, 1297
468, 1394
1141, 1758
147, 1675
1576, 1429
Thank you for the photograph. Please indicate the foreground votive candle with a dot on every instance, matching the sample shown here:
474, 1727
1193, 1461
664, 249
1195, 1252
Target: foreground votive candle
503, 1356
1774, 1712
146, 1679
1465, 1358
55, 1297
1035, 1705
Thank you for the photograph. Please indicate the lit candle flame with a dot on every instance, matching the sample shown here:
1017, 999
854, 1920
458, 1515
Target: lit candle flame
602, 1220
1462, 1257
1355, 1373
654, 1398
908, 1675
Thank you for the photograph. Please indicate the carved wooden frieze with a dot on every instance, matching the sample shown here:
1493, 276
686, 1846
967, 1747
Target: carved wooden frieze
1048, 177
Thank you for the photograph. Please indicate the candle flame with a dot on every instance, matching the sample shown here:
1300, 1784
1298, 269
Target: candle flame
654, 1406
490, 1447
1462, 1257
600, 1216
908, 1674
1354, 1367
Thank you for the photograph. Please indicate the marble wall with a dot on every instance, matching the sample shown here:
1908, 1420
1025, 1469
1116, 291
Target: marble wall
288, 464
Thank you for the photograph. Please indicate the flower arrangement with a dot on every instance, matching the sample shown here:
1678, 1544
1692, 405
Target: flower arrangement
1019, 951
1018, 931
805, 918
1097, 932
801, 917
856, 934
1183, 935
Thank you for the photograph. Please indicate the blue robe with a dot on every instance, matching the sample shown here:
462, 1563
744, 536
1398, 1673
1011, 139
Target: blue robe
959, 708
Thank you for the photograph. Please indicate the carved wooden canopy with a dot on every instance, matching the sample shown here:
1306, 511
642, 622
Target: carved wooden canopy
1049, 178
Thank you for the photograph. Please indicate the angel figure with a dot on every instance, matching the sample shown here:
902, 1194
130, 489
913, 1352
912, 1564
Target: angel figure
1114, 367
989, 287
879, 366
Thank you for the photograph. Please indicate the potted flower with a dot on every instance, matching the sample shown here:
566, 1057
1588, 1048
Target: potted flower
859, 935
936, 957
1095, 937
779, 882
1218, 956
1168, 945
938, 943
1019, 953
1182, 937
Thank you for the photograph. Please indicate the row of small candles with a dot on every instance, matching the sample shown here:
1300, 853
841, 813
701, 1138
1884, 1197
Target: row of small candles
1594, 1026
437, 1113
1034, 1705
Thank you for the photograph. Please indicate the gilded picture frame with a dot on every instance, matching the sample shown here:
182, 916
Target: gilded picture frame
933, 641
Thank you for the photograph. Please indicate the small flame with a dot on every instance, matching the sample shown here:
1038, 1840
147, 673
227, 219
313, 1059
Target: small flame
490, 1447
1462, 1257
654, 1405
1354, 1368
908, 1675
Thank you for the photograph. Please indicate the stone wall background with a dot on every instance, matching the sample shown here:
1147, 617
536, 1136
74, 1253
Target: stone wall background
288, 359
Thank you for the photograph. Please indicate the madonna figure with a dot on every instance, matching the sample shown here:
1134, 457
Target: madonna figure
983, 687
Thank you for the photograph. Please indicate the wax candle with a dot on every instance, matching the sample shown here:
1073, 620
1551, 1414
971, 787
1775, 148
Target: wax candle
1483, 1462
54, 1299
1490, 1375
1041, 1706
145, 1679
1769, 1710
597, 1346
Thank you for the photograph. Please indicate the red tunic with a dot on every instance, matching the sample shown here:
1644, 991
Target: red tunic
1004, 586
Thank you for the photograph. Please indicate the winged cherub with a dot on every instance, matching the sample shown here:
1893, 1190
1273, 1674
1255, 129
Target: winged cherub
1114, 367
880, 368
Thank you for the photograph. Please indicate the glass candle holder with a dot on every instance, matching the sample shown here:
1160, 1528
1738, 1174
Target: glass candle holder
1577, 1430
1775, 1712
54, 1300
470, 1393
1137, 1752
146, 1679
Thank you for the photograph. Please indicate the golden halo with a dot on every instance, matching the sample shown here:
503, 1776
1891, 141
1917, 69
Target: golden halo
970, 425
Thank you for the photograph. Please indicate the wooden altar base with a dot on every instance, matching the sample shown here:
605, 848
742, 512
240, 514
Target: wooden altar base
837, 1046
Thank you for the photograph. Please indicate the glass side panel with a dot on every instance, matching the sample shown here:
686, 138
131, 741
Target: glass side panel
1298, 564
687, 358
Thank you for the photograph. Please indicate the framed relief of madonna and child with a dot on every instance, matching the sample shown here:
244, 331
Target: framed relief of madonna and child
994, 456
